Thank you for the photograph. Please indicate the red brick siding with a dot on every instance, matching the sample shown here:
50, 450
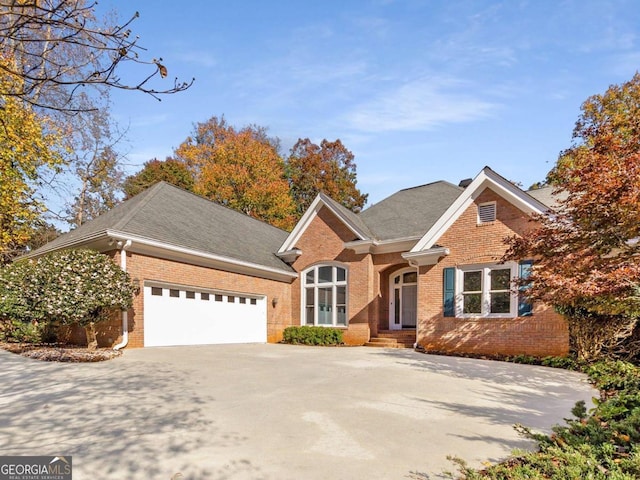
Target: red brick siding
543, 333
143, 268
323, 241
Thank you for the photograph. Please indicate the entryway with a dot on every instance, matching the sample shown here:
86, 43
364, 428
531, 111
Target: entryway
403, 299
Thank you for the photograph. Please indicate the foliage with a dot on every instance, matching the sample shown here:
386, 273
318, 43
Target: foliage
25, 332
601, 444
307, 335
68, 287
28, 144
240, 169
170, 170
60, 45
327, 168
587, 250
91, 182
42, 233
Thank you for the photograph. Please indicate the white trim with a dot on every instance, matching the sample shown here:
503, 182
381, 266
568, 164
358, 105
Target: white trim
188, 255
319, 202
487, 178
426, 257
485, 270
334, 283
382, 246
392, 288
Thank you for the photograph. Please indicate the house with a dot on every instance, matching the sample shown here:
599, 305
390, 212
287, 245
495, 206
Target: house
423, 263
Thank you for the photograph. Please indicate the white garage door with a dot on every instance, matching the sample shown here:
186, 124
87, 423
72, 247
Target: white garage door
180, 316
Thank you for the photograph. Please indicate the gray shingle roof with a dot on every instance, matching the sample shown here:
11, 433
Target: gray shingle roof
545, 195
410, 212
170, 215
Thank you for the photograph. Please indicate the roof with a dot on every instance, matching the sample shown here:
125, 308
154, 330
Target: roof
172, 216
548, 196
410, 212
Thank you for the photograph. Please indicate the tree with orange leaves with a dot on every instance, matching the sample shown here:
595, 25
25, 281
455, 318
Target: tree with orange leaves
240, 169
327, 168
587, 251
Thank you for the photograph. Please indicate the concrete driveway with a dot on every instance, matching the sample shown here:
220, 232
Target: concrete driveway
275, 411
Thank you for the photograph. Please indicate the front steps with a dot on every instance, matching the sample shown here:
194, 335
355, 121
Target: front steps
393, 339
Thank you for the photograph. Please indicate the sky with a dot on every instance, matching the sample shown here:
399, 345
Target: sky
418, 90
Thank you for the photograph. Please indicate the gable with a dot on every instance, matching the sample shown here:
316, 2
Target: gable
343, 215
501, 189
322, 240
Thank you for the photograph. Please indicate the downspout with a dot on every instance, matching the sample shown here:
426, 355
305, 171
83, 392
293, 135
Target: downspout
125, 314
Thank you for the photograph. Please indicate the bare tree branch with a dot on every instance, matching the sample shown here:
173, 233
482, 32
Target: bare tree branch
40, 37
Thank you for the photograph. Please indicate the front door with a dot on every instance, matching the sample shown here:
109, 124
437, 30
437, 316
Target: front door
403, 300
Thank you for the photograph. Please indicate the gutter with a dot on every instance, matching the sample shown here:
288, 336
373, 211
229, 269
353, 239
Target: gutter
125, 313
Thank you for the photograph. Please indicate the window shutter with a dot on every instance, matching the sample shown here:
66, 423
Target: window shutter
449, 288
525, 306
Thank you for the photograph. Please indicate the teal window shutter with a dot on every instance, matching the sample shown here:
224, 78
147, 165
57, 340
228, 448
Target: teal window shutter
525, 306
449, 287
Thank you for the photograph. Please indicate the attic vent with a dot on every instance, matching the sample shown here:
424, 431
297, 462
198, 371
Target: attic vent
465, 183
487, 212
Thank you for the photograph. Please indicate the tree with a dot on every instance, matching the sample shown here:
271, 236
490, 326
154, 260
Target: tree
171, 170
240, 169
28, 144
327, 168
68, 287
60, 46
587, 250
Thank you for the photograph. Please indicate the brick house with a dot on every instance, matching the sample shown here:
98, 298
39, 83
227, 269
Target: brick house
422, 265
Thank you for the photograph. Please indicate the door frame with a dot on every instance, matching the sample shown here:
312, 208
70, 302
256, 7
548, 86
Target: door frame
393, 287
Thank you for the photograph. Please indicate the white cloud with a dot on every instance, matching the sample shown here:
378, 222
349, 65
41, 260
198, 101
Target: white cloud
202, 58
420, 105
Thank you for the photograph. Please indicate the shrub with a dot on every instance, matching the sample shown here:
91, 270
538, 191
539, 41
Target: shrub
307, 335
68, 287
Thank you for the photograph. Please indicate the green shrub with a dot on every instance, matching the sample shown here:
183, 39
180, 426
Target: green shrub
68, 287
307, 335
17, 331
601, 443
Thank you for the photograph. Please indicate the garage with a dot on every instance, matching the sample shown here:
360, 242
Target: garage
178, 315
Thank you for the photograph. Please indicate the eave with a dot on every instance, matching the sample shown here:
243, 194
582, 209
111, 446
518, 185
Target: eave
361, 247
426, 257
147, 246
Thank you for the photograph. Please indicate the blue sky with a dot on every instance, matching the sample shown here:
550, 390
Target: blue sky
418, 90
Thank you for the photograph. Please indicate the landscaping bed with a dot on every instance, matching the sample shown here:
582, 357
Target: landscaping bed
60, 353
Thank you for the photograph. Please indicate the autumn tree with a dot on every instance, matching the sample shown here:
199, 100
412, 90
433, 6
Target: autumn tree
587, 251
171, 170
59, 47
328, 168
28, 144
239, 168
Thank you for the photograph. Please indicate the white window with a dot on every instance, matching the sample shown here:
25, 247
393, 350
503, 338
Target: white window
486, 212
324, 292
485, 291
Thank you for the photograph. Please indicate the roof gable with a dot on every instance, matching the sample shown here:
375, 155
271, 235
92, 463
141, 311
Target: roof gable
487, 178
346, 216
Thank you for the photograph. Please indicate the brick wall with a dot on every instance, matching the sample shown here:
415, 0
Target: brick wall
323, 241
143, 268
544, 333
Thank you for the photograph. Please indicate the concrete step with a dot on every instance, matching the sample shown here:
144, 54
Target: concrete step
387, 343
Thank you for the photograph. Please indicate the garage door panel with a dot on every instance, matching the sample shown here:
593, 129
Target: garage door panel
195, 321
